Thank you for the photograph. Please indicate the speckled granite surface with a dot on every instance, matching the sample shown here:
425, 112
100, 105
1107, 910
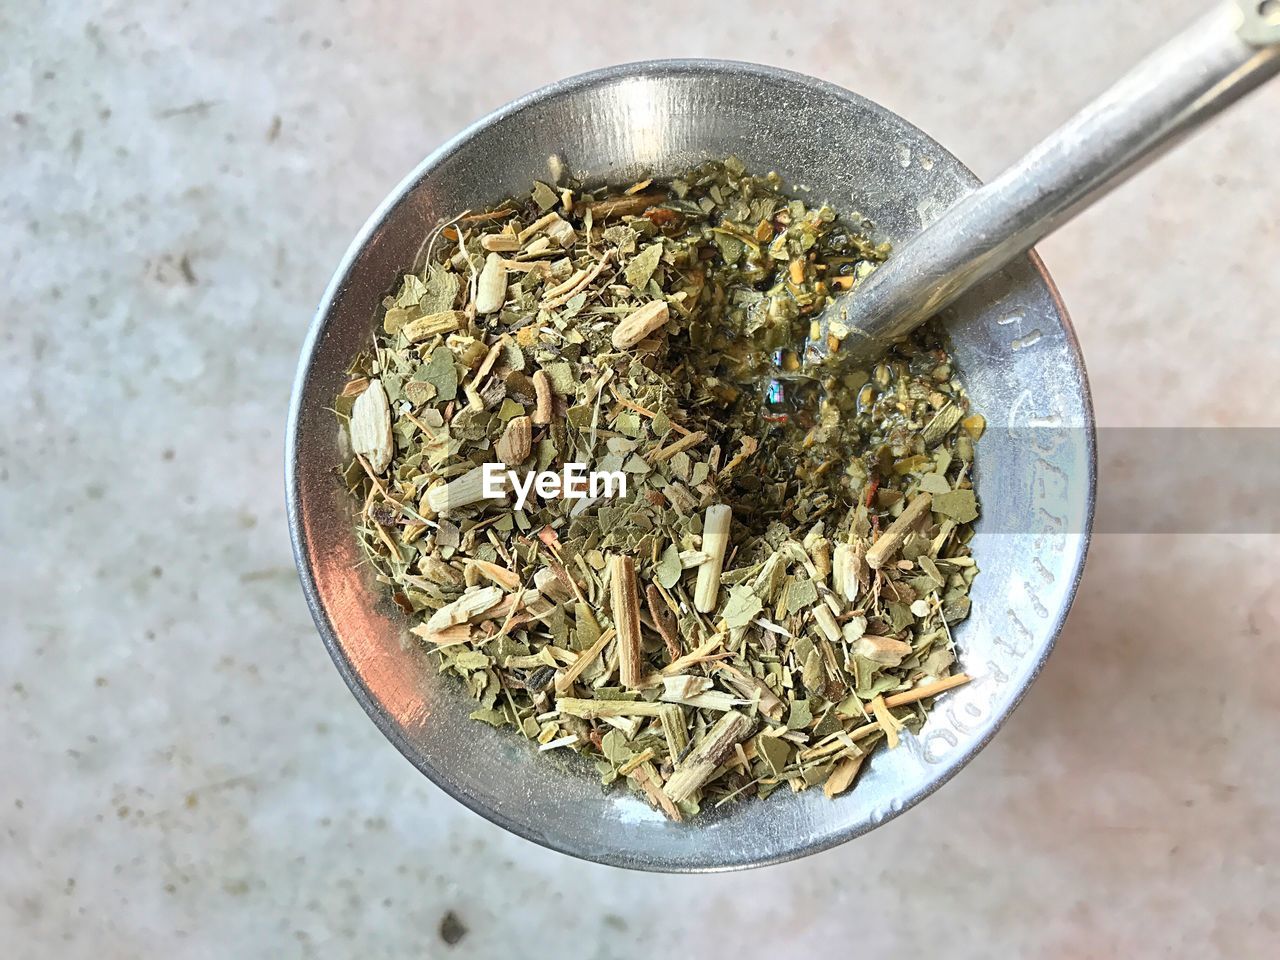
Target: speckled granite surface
184, 774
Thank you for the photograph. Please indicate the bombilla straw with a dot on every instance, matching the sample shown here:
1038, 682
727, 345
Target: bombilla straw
1216, 61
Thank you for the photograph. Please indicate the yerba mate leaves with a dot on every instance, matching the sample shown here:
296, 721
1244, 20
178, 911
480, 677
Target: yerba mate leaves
775, 594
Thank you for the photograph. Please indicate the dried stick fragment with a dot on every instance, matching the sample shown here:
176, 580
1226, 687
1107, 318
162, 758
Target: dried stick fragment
491, 288
926, 690
683, 686
370, 427
568, 741
841, 582
542, 389
663, 454
826, 621
566, 286
499, 243
626, 206
516, 442
674, 729
839, 568
487, 216
837, 744
888, 722
747, 449
538, 248
843, 775
599, 709
549, 302
886, 548
707, 755
644, 411
556, 227
664, 621
647, 776
858, 571
529, 266
355, 387
548, 583
754, 689
883, 650
507, 579
715, 542
702, 654
625, 601
585, 659
537, 226
639, 323
643, 757
490, 358
472, 605
458, 492
446, 321
445, 636
820, 551
562, 232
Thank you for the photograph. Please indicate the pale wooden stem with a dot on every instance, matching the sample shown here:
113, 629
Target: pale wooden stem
638, 324
843, 775
673, 726
924, 691
491, 289
542, 389
585, 659
707, 755
459, 492
826, 621
754, 689
677, 446
715, 543
886, 548
624, 598
598, 709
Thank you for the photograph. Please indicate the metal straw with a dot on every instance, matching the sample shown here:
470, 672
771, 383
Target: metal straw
1213, 63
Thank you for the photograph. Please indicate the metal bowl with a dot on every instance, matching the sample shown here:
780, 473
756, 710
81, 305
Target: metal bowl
1013, 344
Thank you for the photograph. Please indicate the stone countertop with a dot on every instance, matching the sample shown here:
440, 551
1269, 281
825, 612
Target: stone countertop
184, 773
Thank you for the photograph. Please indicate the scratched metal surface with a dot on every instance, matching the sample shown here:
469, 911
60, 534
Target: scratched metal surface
1012, 340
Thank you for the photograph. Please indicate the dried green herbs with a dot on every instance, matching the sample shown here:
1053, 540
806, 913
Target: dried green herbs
774, 593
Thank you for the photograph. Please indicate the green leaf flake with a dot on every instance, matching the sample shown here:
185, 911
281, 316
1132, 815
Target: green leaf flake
801, 594
934, 483
800, 716
776, 753
742, 606
544, 196
397, 317
960, 505
669, 568
614, 746
439, 290
574, 306
562, 378
440, 373
495, 717
471, 660
730, 246
901, 616
641, 268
